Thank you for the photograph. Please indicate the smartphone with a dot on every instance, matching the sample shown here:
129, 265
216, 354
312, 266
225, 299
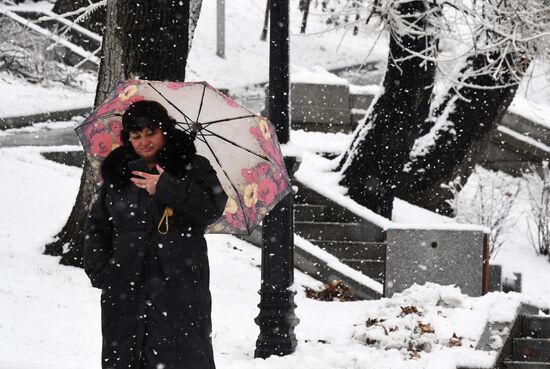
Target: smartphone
139, 165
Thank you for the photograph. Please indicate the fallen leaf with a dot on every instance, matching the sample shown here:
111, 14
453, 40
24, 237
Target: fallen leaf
370, 341
410, 310
415, 355
334, 290
425, 328
375, 321
455, 341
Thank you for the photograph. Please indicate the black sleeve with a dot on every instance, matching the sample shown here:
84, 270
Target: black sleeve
98, 249
200, 197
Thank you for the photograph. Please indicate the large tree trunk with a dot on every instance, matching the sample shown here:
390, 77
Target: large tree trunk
145, 39
382, 143
450, 149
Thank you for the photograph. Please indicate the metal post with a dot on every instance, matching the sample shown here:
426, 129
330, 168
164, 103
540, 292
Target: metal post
220, 29
277, 319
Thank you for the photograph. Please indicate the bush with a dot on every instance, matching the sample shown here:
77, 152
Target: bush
488, 203
538, 186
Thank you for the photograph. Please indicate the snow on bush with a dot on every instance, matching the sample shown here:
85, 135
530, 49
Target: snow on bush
487, 202
538, 186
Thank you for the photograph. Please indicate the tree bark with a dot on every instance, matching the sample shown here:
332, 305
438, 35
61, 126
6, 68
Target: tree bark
95, 22
469, 115
382, 143
304, 7
263, 36
145, 39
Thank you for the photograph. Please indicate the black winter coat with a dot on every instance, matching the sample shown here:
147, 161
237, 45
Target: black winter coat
155, 301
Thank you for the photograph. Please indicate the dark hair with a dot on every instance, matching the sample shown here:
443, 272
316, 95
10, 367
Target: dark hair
143, 114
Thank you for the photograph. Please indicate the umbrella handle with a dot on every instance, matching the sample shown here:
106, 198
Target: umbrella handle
168, 212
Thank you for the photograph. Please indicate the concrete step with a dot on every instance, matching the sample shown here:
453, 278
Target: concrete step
318, 269
72, 158
311, 213
510, 364
353, 249
374, 269
332, 231
333, 212
531, 349
535, 326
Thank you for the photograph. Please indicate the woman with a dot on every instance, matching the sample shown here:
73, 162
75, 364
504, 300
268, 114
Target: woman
145, 246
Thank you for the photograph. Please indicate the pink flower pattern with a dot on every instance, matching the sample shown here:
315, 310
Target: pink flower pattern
177, 85
268, 178
271, 179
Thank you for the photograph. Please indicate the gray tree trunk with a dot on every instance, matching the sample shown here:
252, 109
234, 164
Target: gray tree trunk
381, 145
457, 145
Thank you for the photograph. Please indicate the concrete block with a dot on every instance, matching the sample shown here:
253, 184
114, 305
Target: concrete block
447, 257
495, 278
360, 101
527, 127
320, 103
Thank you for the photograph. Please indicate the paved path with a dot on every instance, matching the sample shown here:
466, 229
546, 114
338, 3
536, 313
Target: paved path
54, 137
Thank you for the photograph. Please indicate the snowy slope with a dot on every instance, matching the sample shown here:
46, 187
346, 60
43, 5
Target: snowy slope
49, 314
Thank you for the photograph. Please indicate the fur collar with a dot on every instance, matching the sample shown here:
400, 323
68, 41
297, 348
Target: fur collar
176, 155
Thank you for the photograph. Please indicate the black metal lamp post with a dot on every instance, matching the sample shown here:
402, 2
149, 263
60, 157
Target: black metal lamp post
277, 319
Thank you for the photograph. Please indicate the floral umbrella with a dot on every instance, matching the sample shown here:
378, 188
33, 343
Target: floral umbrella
241, 145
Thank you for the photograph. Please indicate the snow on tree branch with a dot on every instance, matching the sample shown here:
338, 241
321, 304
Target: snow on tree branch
459, 29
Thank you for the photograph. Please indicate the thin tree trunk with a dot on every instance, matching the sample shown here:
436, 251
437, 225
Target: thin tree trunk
194, 13
144, 39
304, 6
381, 144
263, 37
467, 119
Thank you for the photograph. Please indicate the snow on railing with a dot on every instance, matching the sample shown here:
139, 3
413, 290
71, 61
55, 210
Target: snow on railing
334, 263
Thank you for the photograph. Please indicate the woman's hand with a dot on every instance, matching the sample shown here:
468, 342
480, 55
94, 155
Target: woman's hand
147, 181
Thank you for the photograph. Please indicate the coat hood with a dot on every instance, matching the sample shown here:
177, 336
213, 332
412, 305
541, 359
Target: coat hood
174, 157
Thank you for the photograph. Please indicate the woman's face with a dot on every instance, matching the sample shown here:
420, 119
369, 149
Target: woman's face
148, 142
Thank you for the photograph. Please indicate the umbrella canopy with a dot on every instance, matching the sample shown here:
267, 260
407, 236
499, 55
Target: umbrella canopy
241, 145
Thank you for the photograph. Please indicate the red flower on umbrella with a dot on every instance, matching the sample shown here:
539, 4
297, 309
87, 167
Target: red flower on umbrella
262, 169
236, 220
101, 144
280, 180
267, 191
230, 102
251, 214
116, 127
92, 129
232, 213
250, 175
177, 85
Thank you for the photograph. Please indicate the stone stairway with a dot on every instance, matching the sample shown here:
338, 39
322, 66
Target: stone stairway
354, 241
530, 348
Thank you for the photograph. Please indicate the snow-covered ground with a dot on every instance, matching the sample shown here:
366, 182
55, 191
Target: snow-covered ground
49, 314
20, 98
